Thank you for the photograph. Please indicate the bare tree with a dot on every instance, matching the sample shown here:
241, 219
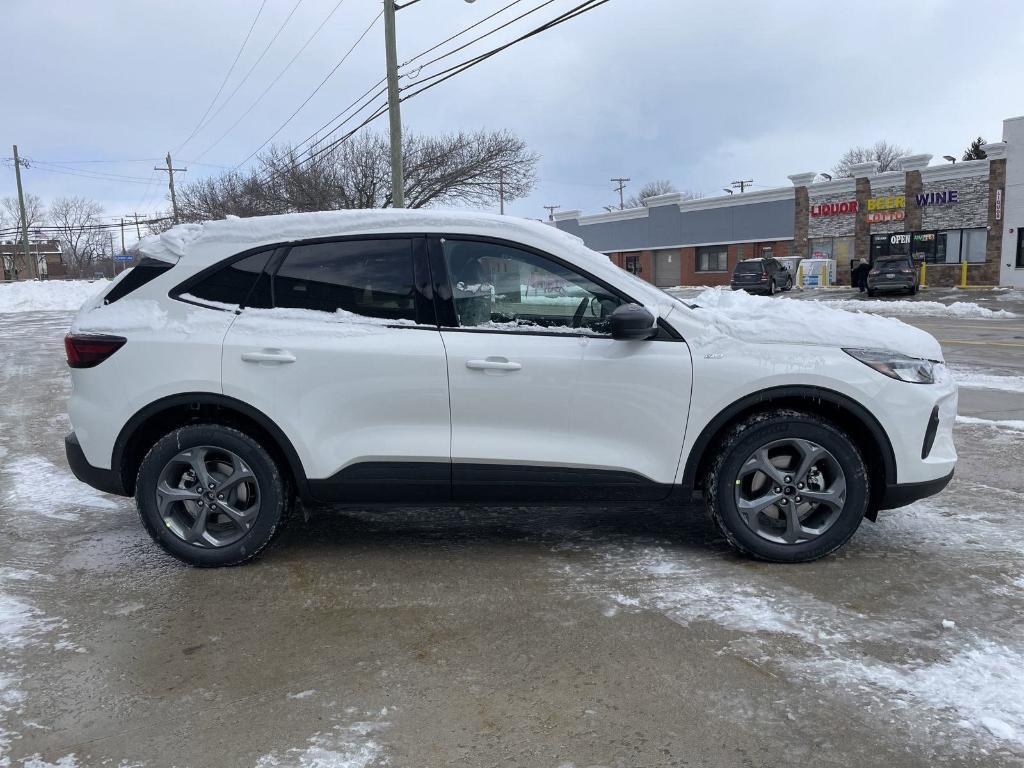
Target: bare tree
458, 168
655, 188
887, 155
74, 220
35, 211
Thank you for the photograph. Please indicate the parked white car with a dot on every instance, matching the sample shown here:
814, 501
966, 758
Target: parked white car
411, 357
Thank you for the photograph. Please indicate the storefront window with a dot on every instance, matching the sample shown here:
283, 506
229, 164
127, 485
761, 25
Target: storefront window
973, 246
632, 264
842, 251
820, 248
1020, 248
712, 258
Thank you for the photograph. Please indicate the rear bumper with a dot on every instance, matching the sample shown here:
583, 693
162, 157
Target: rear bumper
106, 480
906, 493
891, 285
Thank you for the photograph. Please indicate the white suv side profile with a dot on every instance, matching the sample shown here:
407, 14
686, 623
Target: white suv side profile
408, 357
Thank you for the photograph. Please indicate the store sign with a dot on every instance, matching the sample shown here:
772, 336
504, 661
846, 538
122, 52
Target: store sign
877, 217
900, 239
999, 204
887, 202
944, 197
834, 209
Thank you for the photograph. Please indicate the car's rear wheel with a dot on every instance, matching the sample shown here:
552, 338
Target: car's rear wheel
787, 487
789, 284
211, 495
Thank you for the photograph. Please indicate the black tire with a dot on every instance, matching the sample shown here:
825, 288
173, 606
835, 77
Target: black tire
274, 495
789, 284
871, 292
913, 290
740, 443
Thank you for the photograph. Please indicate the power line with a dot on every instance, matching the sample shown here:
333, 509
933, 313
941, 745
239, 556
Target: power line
274, 81
94, 177
255, 64
315, 91
225, 80
460, 33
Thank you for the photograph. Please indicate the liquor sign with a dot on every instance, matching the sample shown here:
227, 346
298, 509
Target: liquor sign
834, 209
999, 204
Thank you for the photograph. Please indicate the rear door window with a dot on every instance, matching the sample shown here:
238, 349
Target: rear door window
373, 278
750, 266
234, 283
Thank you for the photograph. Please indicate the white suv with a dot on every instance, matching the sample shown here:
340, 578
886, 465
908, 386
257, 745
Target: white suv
424, 357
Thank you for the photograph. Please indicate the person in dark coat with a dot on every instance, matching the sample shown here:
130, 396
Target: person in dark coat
860, 275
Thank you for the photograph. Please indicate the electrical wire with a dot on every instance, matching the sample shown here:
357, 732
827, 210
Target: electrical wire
274, 81
225, 80
315, 91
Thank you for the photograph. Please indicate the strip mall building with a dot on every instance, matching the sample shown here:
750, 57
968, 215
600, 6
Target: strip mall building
944, 215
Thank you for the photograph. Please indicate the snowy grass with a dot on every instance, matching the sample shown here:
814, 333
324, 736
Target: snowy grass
48, 295
905, 308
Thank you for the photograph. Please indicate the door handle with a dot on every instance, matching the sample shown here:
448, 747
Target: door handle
269, 356
493, 364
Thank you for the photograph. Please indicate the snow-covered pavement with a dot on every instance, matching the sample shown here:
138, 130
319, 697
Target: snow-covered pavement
613, 636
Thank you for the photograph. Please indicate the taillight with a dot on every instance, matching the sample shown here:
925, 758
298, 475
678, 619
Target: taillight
85, 351
764, 277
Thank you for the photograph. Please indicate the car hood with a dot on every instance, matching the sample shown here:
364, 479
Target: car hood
756, 319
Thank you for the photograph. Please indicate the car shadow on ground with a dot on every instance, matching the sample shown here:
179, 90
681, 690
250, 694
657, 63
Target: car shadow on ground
687, 528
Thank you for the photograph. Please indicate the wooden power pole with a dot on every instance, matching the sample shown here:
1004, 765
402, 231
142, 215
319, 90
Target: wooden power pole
551, 211
622, 185
29, 266
171, 170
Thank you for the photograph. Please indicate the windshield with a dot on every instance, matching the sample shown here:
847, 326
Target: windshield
750, 266
893, 263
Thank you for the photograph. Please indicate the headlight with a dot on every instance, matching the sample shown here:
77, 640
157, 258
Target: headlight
896, 366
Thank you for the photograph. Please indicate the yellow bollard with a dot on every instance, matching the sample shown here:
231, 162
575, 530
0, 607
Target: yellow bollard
800, 274
963, 274
923, 265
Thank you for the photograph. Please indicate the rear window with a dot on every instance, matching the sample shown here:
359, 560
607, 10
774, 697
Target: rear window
750, 266
234, 282
373, 278
147, 269
903, 263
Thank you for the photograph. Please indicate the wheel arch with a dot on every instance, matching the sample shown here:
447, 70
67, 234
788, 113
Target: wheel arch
162, 416
846, 412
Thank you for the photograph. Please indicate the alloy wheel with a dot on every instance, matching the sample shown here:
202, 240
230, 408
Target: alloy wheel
790, 491
208, 496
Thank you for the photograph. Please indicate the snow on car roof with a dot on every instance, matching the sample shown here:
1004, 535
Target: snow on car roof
178, 241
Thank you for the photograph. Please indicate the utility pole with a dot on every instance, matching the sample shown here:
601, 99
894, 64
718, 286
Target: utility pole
122, 234
501, 191
551, 211
170, 182
113, 267
138, 230
24, 222
742, 184
394, 107
622, 185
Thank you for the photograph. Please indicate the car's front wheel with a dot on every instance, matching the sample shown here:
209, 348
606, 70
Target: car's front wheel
211, 495
787, 487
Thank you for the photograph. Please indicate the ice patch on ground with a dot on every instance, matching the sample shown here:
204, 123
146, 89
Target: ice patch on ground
971, 378
983, 685
903, 307
739, 315
38, 487
1015, 425
302, 694
48, 295
342, 747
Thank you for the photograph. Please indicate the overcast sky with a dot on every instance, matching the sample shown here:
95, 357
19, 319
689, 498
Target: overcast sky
699, 93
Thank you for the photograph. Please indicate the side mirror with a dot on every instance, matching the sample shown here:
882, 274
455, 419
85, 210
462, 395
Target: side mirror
631, 321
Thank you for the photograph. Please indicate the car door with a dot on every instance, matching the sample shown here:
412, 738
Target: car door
339, 347
545, 405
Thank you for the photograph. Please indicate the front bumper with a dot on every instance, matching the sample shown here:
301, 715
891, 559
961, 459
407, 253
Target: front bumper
106, 480
901, 494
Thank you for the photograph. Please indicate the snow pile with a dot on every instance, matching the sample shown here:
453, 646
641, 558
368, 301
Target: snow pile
343, 747
761, 319
309, 322
123, 315
1015, 425
969, 378
48, 295
959, 309
63, 497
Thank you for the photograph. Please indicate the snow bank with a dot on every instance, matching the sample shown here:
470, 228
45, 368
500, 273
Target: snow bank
1015, 425
969, 378
48, 295
916, 308
762, 319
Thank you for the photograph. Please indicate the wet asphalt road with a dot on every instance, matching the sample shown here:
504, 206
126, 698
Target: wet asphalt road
513, 636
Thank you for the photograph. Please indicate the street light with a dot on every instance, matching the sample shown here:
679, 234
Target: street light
828, 176
394, 109
950, 158
726, 189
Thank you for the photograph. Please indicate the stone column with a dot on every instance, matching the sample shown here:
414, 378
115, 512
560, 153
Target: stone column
913, 165
801, 211
989, 272
862, 228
